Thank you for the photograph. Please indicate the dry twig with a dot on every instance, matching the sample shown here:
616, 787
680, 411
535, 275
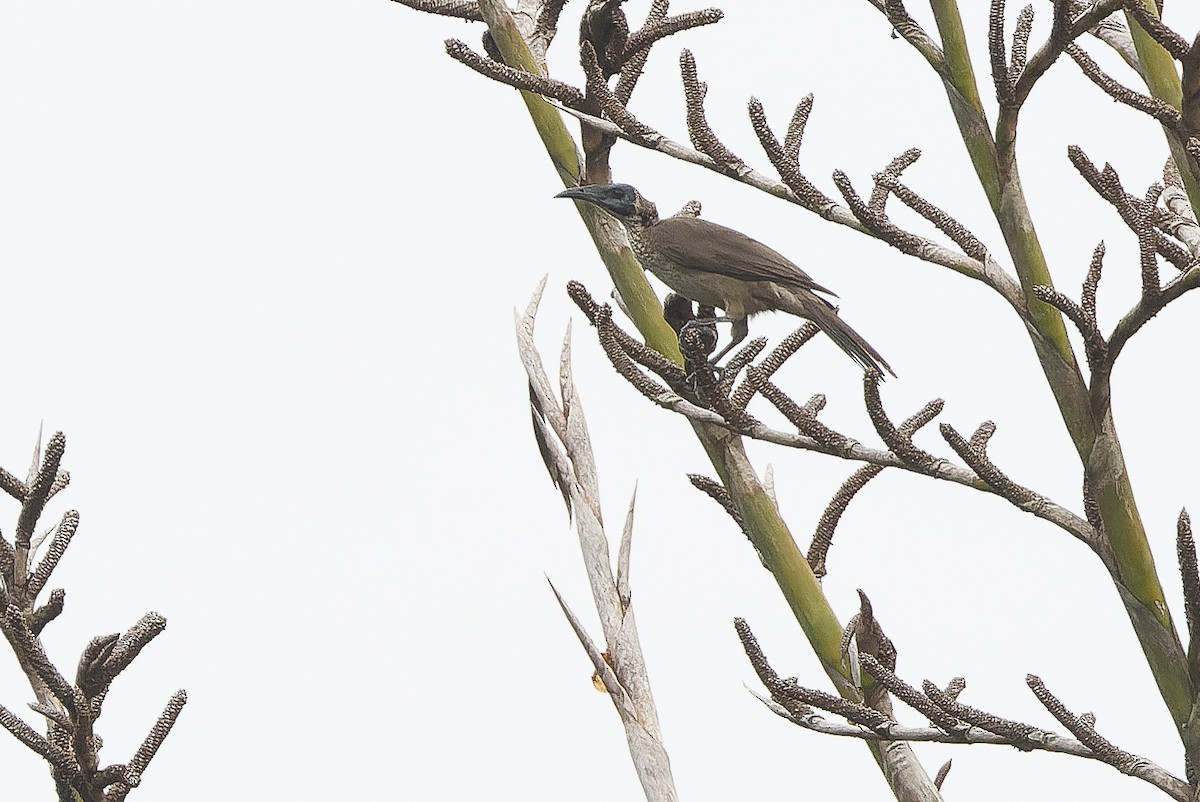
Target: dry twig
70, 709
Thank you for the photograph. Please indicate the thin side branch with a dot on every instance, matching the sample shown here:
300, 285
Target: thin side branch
818, 551
1104, 750
459, 9
701, 133
518, 79
953, 721
1165, 113
668, 26
1172, 42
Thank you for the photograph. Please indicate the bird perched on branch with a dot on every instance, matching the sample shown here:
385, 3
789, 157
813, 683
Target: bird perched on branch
717, 266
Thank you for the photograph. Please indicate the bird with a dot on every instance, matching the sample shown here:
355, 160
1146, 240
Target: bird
717, 266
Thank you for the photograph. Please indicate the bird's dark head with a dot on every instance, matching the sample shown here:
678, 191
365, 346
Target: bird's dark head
620, 200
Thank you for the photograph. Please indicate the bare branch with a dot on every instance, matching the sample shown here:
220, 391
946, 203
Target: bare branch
912, 697
1060, 31
28, 736
158, 733
814, 436
954, 722
699, 130
803, 417
39, 490
1090, 285
717, 492
651, 33
518, 79
1172, 42
788, 346
115, 655
738, 362
804, 190
8, 562
33, 655
983, 433
1094, 342
891, 173
1020, 47
795, 132
1002, 75
58, 546
1165, 113
631, 72
1084, 731
900, 443
13, 486
1023, 736
1000, 70
547, 21
818, 550
605, 330
766, 674
460, 9
1054, 46
926, 414
1185, 549
1107, 184
986, 469
913, 33
877, 224
597, 87
1147, 240
956, 231
853, 712
1075, 313
1147, 308
638, 351
47, 612
633, 63
772, 362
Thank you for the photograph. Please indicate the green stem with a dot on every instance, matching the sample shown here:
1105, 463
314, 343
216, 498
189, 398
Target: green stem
995, 164
768, 532
1091, 429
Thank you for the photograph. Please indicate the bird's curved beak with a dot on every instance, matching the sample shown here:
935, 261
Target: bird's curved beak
585, 193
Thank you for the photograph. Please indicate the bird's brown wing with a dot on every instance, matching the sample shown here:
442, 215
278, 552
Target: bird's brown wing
713, 248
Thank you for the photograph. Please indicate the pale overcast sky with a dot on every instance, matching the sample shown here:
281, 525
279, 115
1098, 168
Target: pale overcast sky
261, 260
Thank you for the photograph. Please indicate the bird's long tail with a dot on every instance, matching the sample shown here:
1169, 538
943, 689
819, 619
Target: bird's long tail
826, 317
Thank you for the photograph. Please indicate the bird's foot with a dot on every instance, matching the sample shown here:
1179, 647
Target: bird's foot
703, 376
697, 339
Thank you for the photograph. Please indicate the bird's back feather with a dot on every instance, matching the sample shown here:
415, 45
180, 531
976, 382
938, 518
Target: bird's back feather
712, 248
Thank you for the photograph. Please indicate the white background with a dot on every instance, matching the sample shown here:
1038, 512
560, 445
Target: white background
260, 260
